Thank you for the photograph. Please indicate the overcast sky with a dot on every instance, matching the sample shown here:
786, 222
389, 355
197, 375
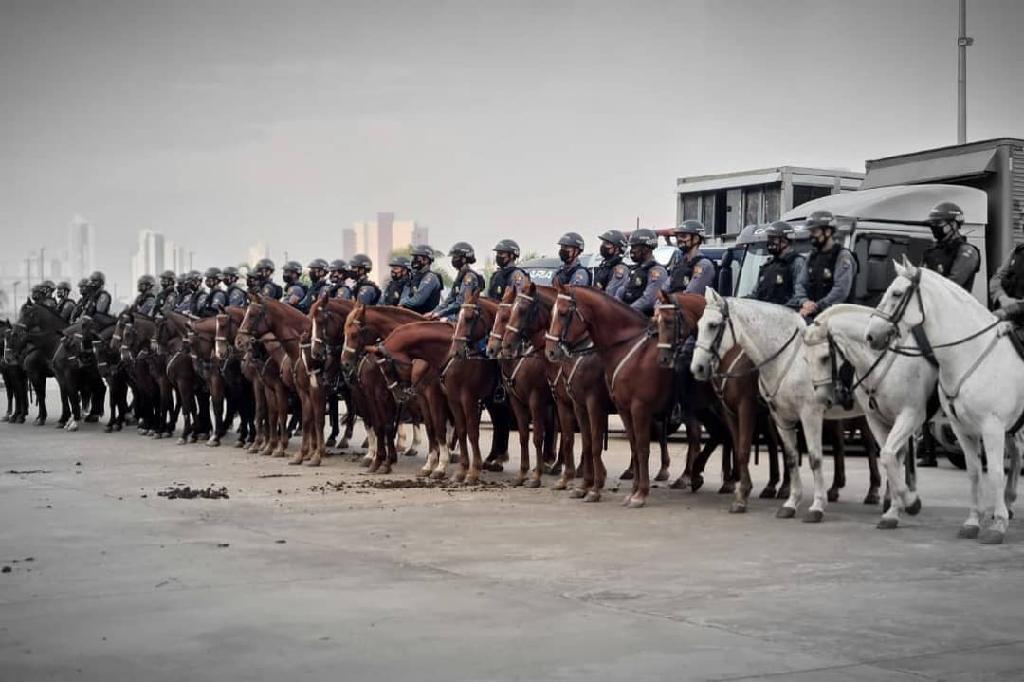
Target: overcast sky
223, 123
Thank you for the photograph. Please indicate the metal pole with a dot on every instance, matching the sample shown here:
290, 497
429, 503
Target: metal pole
42, 264
28, 273
962, 42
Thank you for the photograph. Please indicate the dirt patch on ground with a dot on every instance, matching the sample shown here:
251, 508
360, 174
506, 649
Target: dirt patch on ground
28, 471
185, 492
366, 485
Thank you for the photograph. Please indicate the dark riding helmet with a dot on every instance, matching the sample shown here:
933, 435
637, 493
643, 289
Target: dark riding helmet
264, 264
614, 237
64, 286
463, 249
398, 262
97, 279
362, 261
946, 211
145, 283
48, 285
167, 278
212, 273
820, 219
780, 229
83, 284
292, 266
507, 246
644, 237
182, 279
572, 240
317, 264
694, 227
229, 271
337, 265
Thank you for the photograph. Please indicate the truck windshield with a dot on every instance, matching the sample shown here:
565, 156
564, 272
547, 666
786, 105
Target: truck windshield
755, 257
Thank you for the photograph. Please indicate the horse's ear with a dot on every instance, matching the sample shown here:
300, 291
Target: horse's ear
901, 270
372, 350
663, 296
712, 297
559, 287
473, 295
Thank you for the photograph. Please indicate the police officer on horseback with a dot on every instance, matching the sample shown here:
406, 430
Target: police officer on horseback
507, 273
65, 304
572, 272
399, 278
364, 289
294, 289
777, 278
951, 256
317, 269
235, 294
264, 268
165, 297
647, 277
337, 273
612, 274
1006, 288
183, 297
98, 304
692, 271
145, 301
214, 297
83, 299
46, 298
423, 291
466, 281
830, 272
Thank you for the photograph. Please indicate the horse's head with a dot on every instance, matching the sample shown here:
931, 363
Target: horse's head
895, 312
254, 324
224, 334
471, 326
715, 336
501, 318
820, 353
569, 331
672, 329
526, 318
354, 334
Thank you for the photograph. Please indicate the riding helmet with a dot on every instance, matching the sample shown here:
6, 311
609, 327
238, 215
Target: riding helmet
147, 282
292, 266
229, 271
946, 211
464, 249
317, 263
337, 265
820, 219
508, 246
361, 260
644, 237
212, 273
422, 250
614, 237
780, 228
64, 286
97, 278
264, 264
398, 262
571, 239
690, 227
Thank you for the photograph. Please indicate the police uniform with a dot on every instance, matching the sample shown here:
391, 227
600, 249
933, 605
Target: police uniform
611, 275
313, 293
367, 292
164, 300
144, 303
272, 289
641, 289
503, 278
827, 279
197, 302
466, 281
99, 303
573, 273
423, 291
777, 278
692, 275
340, 290
237, 296
294, 294
215, 299
1007, 285
393, 293
954, 259
66, 308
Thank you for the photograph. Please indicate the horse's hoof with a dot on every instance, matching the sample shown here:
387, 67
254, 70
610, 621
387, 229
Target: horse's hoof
637, 502
577, 493
239, 444
727, 488
553, 469
768, 493
72, 427
626, 475
886, 523
697, 483
313, 462
472, 478
833, 494
365, 462
737, 508
330, 442
991, 536
213, 443
60, 425
662, 475
437, 474
968, 532
374, 467
108, 429
39, 421
280, 453
626, 500
561, 484
785, 513
592, 496
871, 498
118, 427
411, 452
182, 441
680, 483
343, 445
295, 460
914, 508
532, 483
459, 477
814, 516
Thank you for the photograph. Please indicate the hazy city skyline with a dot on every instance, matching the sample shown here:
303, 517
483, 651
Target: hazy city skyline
224, 125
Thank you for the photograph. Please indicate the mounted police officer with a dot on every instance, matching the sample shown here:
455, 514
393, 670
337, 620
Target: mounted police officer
83, 299
38, 294
264, 268
317, 269
466, 281
183, 296
647, 277
215, 298
337, 276
197, 300
364, 289
235, 294
65, 304
951, 256
399, 278
572, 272
46, 288
830, 272
1006, 288
98, 304
693, 272
165, 297
294, 290
145, 301
253, 282
776, 280
612, 274
423, 291
507, 273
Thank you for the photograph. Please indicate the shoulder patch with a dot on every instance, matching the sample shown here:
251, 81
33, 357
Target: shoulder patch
518, 277
620, 270
657, 273
469, 278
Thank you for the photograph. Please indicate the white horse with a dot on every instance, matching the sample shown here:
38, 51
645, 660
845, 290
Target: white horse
981, 379
772, 336
892, 390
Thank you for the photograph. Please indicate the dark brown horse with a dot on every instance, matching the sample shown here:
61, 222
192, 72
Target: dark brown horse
34, 340
239, 385
15, 381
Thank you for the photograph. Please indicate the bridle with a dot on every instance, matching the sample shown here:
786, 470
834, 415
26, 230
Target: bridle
388, 365
461, 344
523, 348
665, 312
585, 345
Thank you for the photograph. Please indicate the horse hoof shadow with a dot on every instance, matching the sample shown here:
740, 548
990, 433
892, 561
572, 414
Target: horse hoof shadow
814, 516
991, 536
968, 532
886, 523
785, 513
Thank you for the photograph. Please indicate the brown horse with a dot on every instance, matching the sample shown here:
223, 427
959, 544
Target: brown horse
411, 358
588, 321
172, 340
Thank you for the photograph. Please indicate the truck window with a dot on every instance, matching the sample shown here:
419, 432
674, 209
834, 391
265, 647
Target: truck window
875, 254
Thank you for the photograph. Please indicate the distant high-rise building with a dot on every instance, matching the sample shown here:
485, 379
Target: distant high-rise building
348, 243
56, 269
81, 248
149, 257
175, 257
420, 235
379, 238
257, 251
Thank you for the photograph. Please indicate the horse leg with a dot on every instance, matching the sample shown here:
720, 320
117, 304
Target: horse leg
303, 452
871, 448
217, 399
582, 414
598, 418
642, 431
318, 406
692, 476
566, 427
790, 452
350, 422
541, 428
812, 424
661, 432
460, 414
994, 437
835, 429
741, 426
523, 425
433, 438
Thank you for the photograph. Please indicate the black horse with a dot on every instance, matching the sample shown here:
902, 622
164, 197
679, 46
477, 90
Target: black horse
14, 377
35, 338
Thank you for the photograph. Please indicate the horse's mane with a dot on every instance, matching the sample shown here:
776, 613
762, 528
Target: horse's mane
595, 295
416, 331
397, 312
291, 313
953, 289
692, 306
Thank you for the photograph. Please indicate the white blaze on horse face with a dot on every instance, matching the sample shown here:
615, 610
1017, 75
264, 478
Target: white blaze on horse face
881, 327
703, 361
